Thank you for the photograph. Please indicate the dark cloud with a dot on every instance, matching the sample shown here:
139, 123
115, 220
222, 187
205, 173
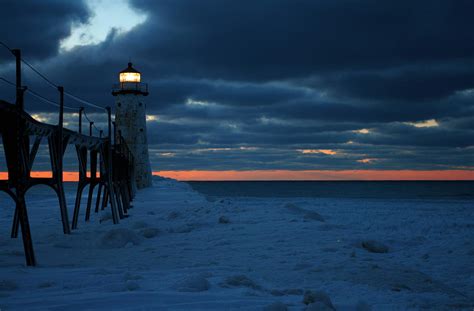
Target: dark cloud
415, 84
37, 27
271, 39
249, 84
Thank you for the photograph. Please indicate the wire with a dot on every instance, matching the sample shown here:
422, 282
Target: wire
93, 124
35, 94
39, 74
85, 116
48, 101
6, 81
54, 85
5, 46
44, 99
83, 101
65, 93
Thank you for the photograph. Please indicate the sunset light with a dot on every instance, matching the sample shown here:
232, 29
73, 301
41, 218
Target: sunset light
426, 123
319, 175
316, 151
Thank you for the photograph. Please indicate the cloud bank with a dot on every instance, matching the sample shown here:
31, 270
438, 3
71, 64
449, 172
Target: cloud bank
246, 85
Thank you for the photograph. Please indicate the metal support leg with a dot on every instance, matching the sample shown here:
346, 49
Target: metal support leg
92, 183
25, 229
97, 201
77, 205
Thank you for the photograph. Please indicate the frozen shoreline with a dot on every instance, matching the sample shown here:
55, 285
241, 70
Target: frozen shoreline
177, 250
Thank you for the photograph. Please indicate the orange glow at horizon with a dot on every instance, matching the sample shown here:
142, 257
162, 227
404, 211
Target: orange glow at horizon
318, 175
293, 175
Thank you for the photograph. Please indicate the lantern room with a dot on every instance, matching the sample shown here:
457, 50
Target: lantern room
130, 82
129, 74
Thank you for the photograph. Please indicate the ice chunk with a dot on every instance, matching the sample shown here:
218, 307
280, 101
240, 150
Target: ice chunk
150, 232
375, 246
224, 220
195, 283
240, 281
317, 300
118, 238
131, 285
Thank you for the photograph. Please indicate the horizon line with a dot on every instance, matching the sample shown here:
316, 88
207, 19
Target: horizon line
293, 175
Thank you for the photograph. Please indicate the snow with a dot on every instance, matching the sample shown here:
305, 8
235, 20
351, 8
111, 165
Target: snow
276, 306
117, 238
194, 283
179, 250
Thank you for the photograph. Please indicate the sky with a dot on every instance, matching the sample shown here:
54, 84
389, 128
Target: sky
246, 88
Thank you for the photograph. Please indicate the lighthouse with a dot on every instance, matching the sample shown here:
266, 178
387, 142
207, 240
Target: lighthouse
130, 121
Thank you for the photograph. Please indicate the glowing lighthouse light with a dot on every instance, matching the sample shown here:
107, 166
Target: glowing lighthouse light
129, 74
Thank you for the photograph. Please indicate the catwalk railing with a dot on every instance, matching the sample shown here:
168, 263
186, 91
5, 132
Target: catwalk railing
110, 163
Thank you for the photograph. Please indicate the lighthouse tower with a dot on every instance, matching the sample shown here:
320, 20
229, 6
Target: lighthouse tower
130, 121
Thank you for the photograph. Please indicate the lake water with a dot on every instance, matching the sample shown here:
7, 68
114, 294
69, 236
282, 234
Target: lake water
426, 190
457, 190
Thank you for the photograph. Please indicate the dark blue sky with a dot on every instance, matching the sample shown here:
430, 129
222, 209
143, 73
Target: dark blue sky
272, 84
